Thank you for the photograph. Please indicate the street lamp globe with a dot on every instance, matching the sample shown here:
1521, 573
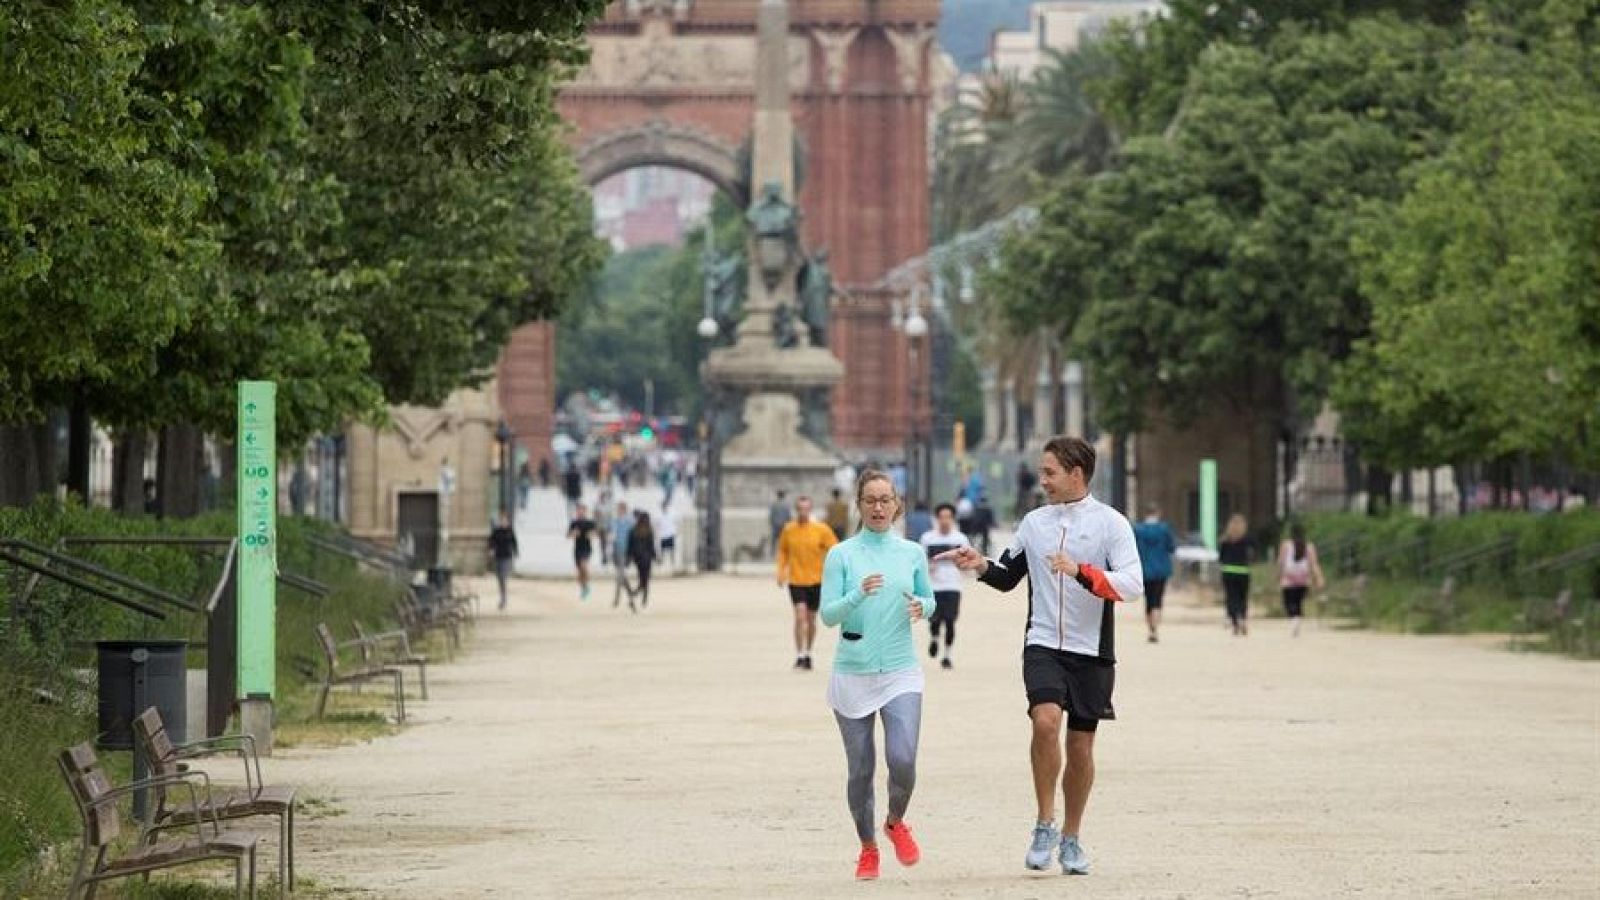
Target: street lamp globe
916, 324
707, 328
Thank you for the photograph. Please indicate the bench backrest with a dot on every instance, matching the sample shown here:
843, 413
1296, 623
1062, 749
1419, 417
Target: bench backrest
87, 782
330, 649
365, 645
151, 733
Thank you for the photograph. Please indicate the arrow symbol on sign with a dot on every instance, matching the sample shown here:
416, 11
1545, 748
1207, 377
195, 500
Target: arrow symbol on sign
250, 407
250, 437
262, 493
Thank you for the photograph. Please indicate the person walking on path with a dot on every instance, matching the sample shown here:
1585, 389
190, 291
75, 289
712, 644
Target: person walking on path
918, 522
667, 534
945, 578
503, 548
617, 538
874, 586
802, 545
572, 484
602, 524
1298, 572
1233, 556
777, 517
1156, 546
1025, 484
839, 515
1080, 559
581, 532
642, 553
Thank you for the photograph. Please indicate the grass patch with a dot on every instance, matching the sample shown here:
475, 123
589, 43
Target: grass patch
38, 822
337, 729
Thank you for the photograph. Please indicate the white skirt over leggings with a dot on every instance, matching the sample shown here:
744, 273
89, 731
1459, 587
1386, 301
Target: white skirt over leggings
896, 698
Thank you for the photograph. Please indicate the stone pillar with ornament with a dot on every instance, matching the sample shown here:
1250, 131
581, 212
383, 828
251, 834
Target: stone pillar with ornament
772, 363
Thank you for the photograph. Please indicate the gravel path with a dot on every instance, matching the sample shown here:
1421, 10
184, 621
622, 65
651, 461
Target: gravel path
579, 751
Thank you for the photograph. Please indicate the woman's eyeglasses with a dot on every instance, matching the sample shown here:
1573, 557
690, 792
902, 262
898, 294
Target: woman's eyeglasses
878, 501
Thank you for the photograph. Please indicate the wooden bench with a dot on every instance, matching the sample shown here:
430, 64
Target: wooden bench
1438, 607
334, 676
257, 799
1349, 601
390, 648
96, 801
753, 552
418, 623
1554, 616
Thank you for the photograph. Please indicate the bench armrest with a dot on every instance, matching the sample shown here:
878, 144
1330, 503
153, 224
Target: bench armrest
246, 749
185, 779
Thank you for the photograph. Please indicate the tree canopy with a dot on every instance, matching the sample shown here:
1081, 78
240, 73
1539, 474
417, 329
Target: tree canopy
1392, 204
358, 200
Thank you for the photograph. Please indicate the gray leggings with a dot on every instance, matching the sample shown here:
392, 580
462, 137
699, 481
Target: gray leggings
902, 720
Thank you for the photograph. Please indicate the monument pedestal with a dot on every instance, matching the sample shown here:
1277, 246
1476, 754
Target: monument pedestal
770, 455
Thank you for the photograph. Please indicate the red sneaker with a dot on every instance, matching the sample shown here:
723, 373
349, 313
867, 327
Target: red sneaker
867, 865
905, 846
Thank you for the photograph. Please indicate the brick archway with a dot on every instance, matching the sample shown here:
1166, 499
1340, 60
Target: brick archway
672, 82
657, 143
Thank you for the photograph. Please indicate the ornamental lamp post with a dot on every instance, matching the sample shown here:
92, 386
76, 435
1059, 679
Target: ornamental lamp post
504, 436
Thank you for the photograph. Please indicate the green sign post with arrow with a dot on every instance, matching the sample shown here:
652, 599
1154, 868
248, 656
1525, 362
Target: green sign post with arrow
258, 557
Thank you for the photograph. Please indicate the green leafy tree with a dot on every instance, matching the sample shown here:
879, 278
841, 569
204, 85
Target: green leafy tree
1211, 263
1485, 276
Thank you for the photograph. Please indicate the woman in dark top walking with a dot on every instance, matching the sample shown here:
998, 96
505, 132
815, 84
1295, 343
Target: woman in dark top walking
503, 547
1234, 556
642, 550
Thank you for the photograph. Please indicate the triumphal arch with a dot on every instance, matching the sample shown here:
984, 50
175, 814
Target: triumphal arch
673, 83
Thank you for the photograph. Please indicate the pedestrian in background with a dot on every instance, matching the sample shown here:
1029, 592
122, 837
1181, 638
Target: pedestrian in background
839, 515
1156, 546
1298, 571
777, 517
503, 549
642, 553
1233, 554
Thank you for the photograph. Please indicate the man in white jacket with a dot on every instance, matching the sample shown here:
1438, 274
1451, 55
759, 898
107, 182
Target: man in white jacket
1080, 559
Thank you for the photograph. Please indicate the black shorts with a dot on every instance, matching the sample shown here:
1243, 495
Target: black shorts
1294, 599
1153, 592
809, 594
1081, 685
946, 606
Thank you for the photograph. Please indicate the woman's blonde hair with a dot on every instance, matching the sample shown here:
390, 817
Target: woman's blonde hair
870, 475
1237, 527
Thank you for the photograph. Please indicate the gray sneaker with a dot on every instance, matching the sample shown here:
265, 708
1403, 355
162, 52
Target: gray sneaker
1073, 860
1044, 840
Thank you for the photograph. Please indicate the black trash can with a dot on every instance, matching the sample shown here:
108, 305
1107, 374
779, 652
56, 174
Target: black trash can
135, 675
439, 579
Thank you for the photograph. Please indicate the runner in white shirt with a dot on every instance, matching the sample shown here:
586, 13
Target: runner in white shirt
666, 525
1080, 559
945, 578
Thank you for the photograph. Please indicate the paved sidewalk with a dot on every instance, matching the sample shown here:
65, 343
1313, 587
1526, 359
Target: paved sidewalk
580, 751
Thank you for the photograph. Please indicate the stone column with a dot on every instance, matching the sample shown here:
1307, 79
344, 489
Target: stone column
1044, 406
1013, 425
1072, 395
991, 408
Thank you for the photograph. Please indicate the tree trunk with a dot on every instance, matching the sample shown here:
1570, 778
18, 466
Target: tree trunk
228, 477
27, 463
178, 469
1380, 495
80, 434
127, 472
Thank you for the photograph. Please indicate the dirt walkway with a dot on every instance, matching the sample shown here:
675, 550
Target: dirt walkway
578, 751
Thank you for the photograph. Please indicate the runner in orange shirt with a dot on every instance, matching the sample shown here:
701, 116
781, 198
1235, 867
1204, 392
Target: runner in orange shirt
802, 546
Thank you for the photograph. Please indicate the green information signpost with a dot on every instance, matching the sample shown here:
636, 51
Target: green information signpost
258, 557
1208, 502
